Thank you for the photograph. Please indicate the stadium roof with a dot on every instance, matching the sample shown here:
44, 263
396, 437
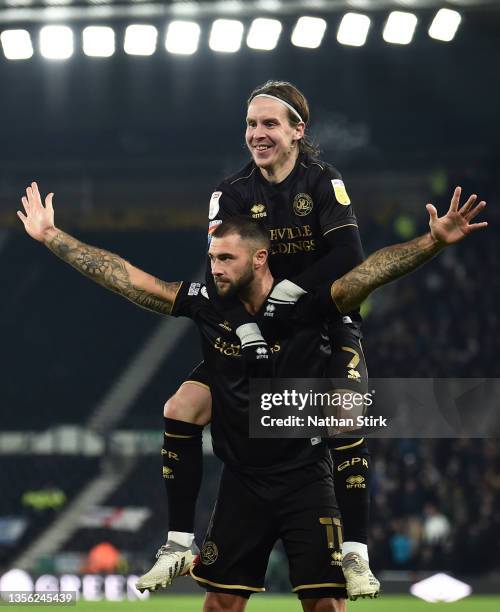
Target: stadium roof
42, 10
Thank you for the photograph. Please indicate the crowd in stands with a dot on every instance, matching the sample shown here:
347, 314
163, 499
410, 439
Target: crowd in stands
436, 505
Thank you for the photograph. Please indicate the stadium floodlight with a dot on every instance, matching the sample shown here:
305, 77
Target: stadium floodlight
226, 35
308, 32
182, 37
400, 27
264, 34
16, 44
140, 39
98, 41
445, 24
353, 29
56, 42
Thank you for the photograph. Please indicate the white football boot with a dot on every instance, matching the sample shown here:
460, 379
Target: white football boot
173, 560
360, 582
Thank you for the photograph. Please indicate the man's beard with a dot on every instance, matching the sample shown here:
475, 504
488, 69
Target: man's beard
238, 287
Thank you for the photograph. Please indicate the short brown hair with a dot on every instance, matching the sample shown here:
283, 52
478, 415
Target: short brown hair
291, 95
246, 228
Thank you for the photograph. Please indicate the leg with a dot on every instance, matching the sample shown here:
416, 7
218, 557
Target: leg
222, 602
185, 413
325, 604
311, 531
352, 467
237, 545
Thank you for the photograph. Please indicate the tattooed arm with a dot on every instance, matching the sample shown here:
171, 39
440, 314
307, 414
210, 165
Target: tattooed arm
392, 262
103, 267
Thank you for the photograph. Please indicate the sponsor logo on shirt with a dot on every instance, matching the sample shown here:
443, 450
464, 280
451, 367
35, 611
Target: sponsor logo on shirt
228, 349
289, 240
340, 192
258, 211
214, 204
302, 204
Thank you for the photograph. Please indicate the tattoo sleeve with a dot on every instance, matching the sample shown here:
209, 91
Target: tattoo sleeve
114, 273
382, 267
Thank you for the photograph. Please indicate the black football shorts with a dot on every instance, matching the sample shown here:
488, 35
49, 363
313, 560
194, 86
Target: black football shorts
198, 376
245, 526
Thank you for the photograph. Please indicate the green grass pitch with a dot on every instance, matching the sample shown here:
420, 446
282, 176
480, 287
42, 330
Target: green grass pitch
274, 603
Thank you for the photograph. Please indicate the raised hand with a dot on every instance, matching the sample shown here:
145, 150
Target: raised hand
456, 223
39, 219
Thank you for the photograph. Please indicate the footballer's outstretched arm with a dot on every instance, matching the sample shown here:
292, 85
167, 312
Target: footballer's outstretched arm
394, 261
103, 267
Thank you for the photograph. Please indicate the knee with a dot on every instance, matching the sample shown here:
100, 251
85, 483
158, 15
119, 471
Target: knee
190, 403
326, 604
222, 602
173, 409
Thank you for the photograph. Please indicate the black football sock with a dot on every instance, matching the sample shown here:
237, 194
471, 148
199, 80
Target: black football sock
182, 471
351, 477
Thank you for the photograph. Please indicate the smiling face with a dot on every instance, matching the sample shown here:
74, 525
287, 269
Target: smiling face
270, 137
234, 262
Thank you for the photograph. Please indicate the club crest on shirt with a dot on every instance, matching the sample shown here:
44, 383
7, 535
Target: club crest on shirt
302, 204
340, 192
258, 211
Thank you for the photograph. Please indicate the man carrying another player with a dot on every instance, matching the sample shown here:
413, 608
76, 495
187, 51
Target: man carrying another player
270, 489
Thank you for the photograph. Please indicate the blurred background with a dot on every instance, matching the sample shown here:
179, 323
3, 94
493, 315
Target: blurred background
132, 120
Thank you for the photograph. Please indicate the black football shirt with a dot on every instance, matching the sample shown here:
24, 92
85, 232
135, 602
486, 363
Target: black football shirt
302, 353
310, 204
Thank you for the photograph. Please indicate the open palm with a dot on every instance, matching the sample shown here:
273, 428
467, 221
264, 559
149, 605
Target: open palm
456, 223
38, 218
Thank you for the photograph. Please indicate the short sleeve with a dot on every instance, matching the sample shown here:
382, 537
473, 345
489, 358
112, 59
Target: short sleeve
224, 203
190, 298
335, 207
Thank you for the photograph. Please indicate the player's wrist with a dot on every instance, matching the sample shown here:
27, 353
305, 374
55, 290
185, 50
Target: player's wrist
435, 242
49, 234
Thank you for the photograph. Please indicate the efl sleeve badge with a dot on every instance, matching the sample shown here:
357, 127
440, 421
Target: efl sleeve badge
340, 192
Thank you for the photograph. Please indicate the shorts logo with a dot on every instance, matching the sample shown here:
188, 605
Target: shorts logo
336, 558
356, 482
209, 553
226, 325
354, 374
214, 204
302, 204
194, 288
340, 192
258, 211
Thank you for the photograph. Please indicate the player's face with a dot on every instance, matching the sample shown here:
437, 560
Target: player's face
270, 138
232, 264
